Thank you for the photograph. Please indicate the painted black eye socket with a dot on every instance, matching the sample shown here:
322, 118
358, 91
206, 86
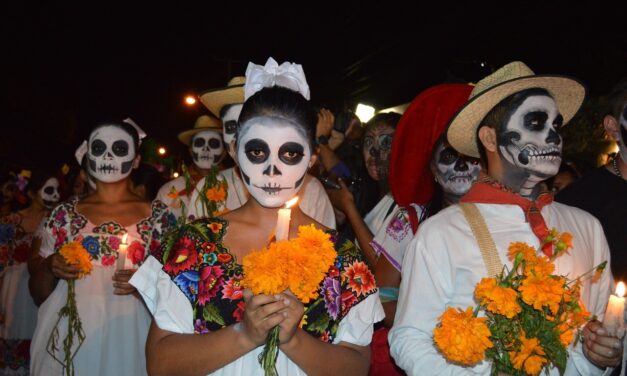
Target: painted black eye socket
199, 142
120, 148
291, 153
214, 143
448, 156
98, 147
230, 126
535, 121
559, 121
257, 151
48, 190
368, 141
385, 142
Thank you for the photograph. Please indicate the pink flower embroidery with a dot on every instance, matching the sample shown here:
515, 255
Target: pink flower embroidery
107, 260
114, 242
210, 281
232, 289
136, 252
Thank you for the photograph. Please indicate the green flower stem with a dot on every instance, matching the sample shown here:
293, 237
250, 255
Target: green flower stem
268, 357
74, 329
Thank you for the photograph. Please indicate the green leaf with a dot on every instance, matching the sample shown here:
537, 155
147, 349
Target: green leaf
320, 325
212, 314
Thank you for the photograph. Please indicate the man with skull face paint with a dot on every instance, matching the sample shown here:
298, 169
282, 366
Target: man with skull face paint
512, 121
114, 318
602, 192
207, 150
274, 150
17, 310
227, 103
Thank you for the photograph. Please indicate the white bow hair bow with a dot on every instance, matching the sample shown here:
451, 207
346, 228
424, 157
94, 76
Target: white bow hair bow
140, 132
289, 75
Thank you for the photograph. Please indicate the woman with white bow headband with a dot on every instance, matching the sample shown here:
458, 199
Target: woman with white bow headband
194, 286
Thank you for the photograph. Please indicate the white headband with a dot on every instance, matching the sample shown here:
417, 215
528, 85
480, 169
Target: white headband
289, 75
82, 148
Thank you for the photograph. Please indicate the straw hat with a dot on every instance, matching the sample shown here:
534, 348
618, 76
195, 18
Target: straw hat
510, 79
233, 93
203, 123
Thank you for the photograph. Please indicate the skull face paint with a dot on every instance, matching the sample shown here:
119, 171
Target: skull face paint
453, 171
229, 120
49, 193
207, 149
376, 150
530, 140
273, 156
622, 135
111, 153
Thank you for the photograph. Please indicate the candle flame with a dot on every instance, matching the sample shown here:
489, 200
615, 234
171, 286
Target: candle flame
291, 202
124, 238
620, 289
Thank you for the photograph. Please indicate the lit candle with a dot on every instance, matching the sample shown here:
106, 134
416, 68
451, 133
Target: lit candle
122, 253
282, 231
614, 318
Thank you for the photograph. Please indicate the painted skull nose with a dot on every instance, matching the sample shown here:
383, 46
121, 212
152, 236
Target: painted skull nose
374, 152
271, 170
461, 165
553, 138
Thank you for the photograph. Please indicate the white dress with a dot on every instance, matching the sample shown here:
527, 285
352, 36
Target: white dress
116, 326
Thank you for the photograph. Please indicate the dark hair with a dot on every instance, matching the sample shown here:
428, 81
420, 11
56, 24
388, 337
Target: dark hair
281, 102
390, 119
343, 120
500, 114
148, 176
123, 126
38, 178
616, 99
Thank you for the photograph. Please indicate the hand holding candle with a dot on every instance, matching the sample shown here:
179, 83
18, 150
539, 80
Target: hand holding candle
614, 318
282, 230
122, 253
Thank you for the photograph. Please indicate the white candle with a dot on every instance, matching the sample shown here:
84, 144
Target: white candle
614, 318
282, 230
122, 253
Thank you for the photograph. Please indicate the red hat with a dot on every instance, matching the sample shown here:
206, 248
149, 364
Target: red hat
422, 123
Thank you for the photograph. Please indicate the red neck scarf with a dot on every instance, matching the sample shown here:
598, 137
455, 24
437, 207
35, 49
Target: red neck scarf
488, 191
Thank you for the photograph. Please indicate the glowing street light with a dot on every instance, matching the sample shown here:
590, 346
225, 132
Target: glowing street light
190, 100
175, 174
364, 112
161, 150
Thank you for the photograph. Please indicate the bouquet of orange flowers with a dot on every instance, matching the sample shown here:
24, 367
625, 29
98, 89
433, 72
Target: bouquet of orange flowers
299, 265
531, 315
74, 254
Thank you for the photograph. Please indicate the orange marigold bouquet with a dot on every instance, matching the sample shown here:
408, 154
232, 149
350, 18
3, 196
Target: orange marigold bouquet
74, 254
531, 315
298, 264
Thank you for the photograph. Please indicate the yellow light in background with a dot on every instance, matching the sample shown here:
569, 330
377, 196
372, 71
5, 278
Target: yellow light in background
364, 112
175, 174
190, 100
161, 150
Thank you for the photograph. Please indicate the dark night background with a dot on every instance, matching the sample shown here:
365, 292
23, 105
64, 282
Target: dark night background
65, 67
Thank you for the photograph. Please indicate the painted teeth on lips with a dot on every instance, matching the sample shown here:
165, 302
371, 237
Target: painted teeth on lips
107, 169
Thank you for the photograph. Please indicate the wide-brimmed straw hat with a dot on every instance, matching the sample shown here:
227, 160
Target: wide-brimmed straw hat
203, 123
567, 92
233, 93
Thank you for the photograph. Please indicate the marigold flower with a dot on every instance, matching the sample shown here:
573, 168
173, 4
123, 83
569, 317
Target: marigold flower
528, 252
75, 254
461, 337
216, 193
540, 291
530, 357
497, 299
541, 266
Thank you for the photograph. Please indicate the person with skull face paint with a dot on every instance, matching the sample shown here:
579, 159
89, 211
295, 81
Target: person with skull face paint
512, 121
207, 150
602, 192
113, 317
227, 103
274, 148
18, 312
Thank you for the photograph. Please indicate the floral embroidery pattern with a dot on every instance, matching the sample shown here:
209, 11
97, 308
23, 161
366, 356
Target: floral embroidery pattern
14, 241
209, 276
399, 225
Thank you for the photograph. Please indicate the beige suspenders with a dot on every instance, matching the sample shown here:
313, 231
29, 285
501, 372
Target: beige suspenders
479, 229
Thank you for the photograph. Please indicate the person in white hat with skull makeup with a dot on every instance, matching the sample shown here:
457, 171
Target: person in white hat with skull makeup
118, 229
274, 148
207, 150
17, 311
227, 103
512, 121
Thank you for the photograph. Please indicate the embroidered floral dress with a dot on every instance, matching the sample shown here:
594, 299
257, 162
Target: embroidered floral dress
195, 288
116, 326
17, 309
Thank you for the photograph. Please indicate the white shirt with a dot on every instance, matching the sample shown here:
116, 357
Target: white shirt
443, 264
313, 199
190, 203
